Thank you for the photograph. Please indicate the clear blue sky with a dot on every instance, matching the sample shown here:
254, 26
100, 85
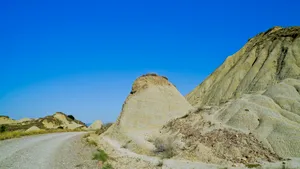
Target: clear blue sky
81, 57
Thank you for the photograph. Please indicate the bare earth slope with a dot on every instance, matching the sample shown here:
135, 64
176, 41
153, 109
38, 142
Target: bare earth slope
248, 109
245, 114
265, 60
59, 151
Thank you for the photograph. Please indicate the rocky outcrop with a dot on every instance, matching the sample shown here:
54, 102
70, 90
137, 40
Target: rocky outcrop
265, 60
248, 109
96, 125
152, 102
33, 129
66, 122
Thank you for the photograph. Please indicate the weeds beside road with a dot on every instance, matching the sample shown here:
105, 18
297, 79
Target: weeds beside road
19, 133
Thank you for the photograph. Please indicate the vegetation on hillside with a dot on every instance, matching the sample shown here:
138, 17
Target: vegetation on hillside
71, 117
164, 147
19, 133
2, 129
103, 158
100, 155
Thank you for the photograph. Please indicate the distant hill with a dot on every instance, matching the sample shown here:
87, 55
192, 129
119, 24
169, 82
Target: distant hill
55, 121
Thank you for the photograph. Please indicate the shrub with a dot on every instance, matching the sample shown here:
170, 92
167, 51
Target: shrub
92, 143
164, 147
71, 117
2, 129
100, 155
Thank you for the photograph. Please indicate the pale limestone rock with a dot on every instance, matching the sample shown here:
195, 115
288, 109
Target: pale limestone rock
256, 91
96, 125
66, 123
265, 60
152, 103
49, 125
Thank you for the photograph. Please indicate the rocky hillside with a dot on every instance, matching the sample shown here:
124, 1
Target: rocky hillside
265, 60
245, 114
57, 120
248, 109
6, 120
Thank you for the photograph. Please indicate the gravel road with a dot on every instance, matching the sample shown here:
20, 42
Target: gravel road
49, 151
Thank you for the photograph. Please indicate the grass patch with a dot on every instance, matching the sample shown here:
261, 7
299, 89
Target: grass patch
100, 155
20, 133
103, 158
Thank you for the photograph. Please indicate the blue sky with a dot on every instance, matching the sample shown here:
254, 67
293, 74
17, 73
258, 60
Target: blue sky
81, 57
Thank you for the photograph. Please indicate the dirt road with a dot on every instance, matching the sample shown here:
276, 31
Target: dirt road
49, 151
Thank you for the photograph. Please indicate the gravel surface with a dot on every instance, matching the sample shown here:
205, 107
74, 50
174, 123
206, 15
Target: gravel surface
49, 151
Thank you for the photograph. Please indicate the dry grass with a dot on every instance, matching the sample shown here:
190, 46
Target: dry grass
88, 140
91, 142
164, 147
20, 133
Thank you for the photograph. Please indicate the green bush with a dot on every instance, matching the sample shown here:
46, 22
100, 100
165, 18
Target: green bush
100, 155
2, 129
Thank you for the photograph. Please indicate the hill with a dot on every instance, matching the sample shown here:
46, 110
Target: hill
58, 120
248, 109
